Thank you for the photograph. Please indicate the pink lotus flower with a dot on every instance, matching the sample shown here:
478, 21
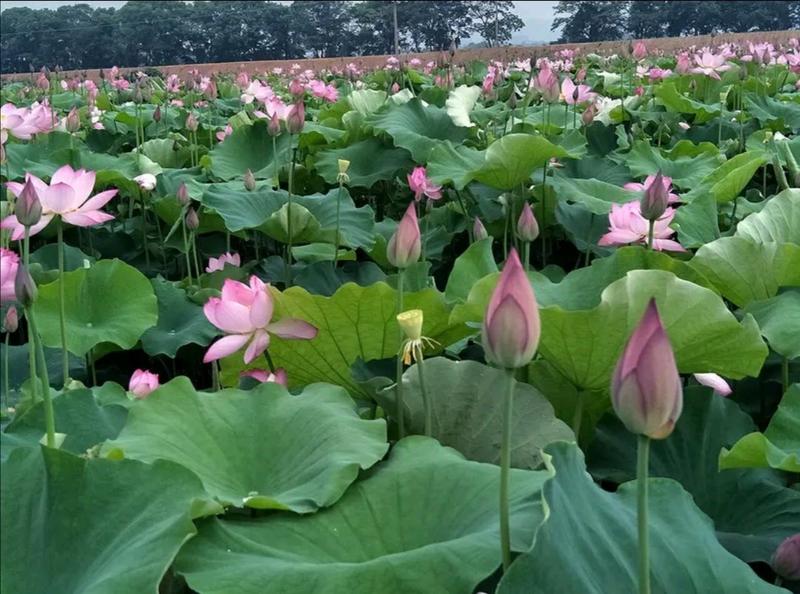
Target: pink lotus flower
648, 181
646, 390
575, 94
683, 63
419, 183
142, 383
527, 227
405, 245
244, 313
627, 225
223, 134
786, 560
23, 122
546, 82
173, 83
639, 50
257, 91
146, 181
121, 84
656, 74
478, 230
264, 376
511, 326
715, 382
9, 263
67, 196
710, 64
215, 264
327, 92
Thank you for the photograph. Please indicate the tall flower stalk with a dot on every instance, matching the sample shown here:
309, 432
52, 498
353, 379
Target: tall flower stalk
342, 178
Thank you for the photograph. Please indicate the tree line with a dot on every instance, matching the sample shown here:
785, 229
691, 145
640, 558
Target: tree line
608, 20
144, 33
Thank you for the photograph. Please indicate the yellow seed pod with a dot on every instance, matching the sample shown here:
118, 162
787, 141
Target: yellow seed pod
343, 166
411, 323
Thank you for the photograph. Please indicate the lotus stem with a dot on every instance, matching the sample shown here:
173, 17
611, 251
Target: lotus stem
426, 401
505, 466
275, 162
650, 235
336, 240
49, 417
6, 371
196, 257
62, 316
186, 249
785, 374
642, 461
289, 222
543, 230
401, 426
144, 231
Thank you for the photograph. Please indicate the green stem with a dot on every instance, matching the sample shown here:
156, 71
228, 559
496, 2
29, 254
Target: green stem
785, 374
144, 231
26, 252
526, 255
336, 240
6, 371
642, 460
401, 425
650, 235
505, 465
543, 230
186, 249
196, 257
49, 417
275, 162
426, 401
289, 222
62, 316
270, 364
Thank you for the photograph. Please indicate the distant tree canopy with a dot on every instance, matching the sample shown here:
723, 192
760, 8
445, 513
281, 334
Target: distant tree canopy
153, 33
608, 20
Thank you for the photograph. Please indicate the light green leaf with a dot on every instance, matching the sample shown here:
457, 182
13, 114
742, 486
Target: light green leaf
109, 302
686, 170
460, 102
471, 266
262, 448
779, 321
454, 164
423, 521
729, 179
511, 160
249, 147
366, 101
370, 161
778, 221
596, 195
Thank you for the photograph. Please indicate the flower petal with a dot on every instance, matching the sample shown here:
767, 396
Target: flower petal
257, 346
293, 328
227, 345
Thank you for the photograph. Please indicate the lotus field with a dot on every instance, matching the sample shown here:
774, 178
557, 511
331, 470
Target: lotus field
526, 328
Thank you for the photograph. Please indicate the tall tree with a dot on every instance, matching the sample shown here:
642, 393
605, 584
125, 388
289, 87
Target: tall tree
494, 21
590, 21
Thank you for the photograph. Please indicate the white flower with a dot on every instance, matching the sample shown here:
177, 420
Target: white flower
146, 181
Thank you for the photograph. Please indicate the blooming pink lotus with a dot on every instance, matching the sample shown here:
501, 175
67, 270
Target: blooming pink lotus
639, 50
646, 389
419, 183
319, 89
511, 326
215, 264
627, 225
264, 376
244, 313
710, 64
648, 181
67, 196
24, 122
546, 82
223, 134
257, 91
575, 94
9, 263
142, 383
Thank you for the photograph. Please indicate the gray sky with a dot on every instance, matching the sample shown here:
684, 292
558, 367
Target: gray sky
537, 16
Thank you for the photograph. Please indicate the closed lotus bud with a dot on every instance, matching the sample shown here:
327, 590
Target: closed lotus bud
274, 125
157, 114
11, 321
192, 219
296, 88
527, 227
411, 323
24, 288
405, 245
137, 95
191, 122
646, 389
639, 50
296, 118
655, 199
478, 230
73, 121
511, 326
28, 206
786, 560
42, 82
587, 117
182, 194
249, 181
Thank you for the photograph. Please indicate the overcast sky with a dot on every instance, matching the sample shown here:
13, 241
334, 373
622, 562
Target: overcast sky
537, 16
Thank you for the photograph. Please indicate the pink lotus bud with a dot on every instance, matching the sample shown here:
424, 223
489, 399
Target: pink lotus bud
581, 76
11, 321
511, 326
249, 181
405, 245
157, 114
395, 88
42, 82
296, 88
28, 206
146, 181
478, 230
786, 560
639, 91
24, 288
527, 227
264, 376
639, 50
182, 194
587, 117
191, 123
192, 219
655, 199
646, 389
296, 118
142, 383
73, 120
274, 125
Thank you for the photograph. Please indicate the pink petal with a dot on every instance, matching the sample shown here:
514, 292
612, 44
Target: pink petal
61, 198
227, 345
98, 201
293, 328
63, 175
261, 309
257, 346
228, 316
18, 231
237, 292
668, 245
619, 237
87, 219
712, 380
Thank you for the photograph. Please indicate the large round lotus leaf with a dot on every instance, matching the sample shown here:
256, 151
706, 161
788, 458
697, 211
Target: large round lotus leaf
262, 448
109, 302
779, 321
588, 542
423, 521
78, 526
467, 411
752, 510
778, 221
370, 161
249, 147
511, 160
777, 447
685, 166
